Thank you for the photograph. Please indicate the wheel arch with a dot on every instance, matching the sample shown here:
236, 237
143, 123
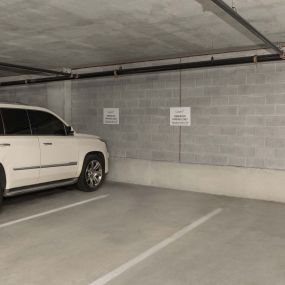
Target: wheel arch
99, 153
102, 153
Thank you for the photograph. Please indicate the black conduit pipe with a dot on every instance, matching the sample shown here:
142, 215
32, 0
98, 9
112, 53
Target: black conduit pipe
32, 69
151, 69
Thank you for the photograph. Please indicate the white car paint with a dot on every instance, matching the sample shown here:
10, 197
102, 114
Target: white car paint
28, 151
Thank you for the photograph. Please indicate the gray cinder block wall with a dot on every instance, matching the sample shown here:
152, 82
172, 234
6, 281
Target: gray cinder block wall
235, 146
55, 96
30, 94
238, 115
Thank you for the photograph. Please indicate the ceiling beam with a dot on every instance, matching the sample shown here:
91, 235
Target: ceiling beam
150, 69
32, 69
230, 11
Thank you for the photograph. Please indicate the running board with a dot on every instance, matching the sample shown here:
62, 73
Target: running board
39, 187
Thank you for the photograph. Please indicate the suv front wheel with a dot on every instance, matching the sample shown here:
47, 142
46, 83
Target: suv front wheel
1, 196
92, 173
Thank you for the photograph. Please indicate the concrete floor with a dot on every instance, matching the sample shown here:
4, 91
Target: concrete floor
243, 245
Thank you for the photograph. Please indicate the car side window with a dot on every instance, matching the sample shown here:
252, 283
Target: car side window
44, 123
16, 121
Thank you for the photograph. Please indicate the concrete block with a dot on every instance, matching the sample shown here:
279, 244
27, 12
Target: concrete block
276, 132
255, 141
220, 100
213, 159
280, 153
265, 110
228, 76
144, 154
190, 75
236, 77
145, 103
237, 161
201, 120
254, 162
200, 110
188, 157
270, 88
192, 92
224, 110
275, 99
255, 120
275, 121
280, 66
275, 142
246, 100
220, 90
274, 163
187, 82
194, 101
133, 111
246, 131
264, 152
246, 90
227, 120
164, 102
217, 140
280, 110
275, 77
255, 78
265, 67
228, 130
236, 150
246, 110
199, 148
204, 82
165, 156
132, 153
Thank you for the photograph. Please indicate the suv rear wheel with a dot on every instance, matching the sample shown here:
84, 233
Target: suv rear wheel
92, 173
1, 196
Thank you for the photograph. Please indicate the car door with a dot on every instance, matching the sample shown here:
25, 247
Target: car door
19, 150
59, 151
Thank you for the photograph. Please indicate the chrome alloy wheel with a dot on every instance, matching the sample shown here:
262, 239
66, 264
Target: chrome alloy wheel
93, 173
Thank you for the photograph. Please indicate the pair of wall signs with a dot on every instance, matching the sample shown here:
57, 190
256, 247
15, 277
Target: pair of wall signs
179, 116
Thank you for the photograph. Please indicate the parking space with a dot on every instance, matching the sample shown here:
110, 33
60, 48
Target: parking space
119, 238
174, 111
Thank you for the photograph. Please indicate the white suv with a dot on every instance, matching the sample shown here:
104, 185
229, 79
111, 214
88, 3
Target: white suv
38, 151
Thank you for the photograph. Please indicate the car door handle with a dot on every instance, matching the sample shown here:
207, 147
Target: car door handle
5, 144
47, 143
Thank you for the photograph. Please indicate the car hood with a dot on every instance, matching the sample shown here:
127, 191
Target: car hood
86, 136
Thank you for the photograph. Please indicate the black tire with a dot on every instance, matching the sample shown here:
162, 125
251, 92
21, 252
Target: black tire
1, 197
2, 184
89, 174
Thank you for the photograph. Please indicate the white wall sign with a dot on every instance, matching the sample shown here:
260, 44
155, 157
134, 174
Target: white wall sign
180, 116
111, 116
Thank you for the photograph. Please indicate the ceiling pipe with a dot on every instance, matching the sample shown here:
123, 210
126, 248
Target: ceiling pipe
150, 69
230, 11
33, 69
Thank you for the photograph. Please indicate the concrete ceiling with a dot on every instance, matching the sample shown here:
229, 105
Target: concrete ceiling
72, 33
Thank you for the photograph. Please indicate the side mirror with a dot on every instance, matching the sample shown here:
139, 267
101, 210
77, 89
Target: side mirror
69, 131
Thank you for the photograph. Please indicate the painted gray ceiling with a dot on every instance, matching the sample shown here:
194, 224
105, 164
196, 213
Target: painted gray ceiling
74, 33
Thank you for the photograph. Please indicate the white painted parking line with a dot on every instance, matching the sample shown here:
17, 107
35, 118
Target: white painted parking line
51, 211
121, 269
